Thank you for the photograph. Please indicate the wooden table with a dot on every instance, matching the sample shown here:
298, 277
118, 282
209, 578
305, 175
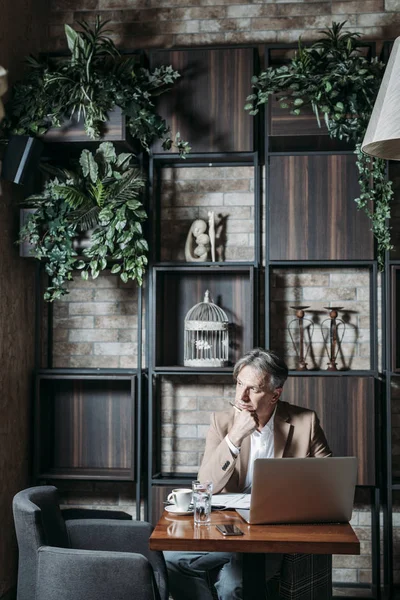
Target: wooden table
179, 533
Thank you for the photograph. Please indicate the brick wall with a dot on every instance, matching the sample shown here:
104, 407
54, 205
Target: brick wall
95, 325
167, 23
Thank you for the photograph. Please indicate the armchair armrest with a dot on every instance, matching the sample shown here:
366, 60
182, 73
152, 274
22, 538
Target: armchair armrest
119, 536
66, 574
94, 513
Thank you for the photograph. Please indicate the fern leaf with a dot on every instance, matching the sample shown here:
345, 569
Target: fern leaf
72, 196
128, 187
99, 193
85, 219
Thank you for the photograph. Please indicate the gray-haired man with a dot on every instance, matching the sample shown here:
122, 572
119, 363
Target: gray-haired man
259, 425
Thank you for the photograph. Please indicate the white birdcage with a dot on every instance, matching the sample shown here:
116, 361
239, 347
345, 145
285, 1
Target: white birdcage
206, 335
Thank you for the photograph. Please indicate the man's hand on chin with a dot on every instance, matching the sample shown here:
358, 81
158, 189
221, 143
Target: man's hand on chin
246, 421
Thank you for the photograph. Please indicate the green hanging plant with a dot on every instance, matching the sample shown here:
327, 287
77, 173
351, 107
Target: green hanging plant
90, 83
340, 85
101, 194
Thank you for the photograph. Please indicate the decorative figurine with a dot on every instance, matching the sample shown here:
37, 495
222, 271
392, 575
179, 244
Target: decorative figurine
211, 233
297, 330
333, 335
197, 242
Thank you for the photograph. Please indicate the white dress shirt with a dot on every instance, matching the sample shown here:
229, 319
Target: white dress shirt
262, 446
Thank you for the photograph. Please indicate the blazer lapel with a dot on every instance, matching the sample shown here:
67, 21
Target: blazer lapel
281, 429
244, 461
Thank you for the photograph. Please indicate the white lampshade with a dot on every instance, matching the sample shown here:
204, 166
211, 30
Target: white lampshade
382, 138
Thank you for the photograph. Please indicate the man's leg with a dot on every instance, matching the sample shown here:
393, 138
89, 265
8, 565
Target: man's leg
230, 581
190, 573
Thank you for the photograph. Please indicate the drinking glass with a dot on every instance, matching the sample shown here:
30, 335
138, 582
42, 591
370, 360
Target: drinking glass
202, 494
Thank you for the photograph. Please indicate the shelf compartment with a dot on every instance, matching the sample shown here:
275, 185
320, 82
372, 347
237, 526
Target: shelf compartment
296, 132
346, 409
395, 433
313, 215
186, 193
396, 318
201, 105
317, 287
85, 427
176, 290
394, 177
182, 406
97, 324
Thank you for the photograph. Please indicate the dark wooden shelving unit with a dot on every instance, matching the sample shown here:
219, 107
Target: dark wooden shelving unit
303, 217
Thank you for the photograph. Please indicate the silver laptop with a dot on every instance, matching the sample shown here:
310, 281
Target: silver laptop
302, 490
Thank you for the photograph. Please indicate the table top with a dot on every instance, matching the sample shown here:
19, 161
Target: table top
179, 533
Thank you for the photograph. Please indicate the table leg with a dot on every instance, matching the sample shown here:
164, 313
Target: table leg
253, 576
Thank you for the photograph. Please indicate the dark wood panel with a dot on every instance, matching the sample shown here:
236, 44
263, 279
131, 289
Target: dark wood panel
313, 215
177, 292
22, 31
86, 427
284, 123
345, 407
206, 105
394, 176
114, 130
395, 318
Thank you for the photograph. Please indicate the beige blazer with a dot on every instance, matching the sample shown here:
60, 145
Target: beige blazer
297, 434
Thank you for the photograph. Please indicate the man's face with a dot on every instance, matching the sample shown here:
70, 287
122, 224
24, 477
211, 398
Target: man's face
253, 392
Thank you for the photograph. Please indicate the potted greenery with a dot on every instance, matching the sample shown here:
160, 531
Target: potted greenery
340, 84
92, 81
101, 194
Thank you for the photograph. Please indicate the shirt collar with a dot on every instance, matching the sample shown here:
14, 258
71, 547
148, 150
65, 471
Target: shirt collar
268, 427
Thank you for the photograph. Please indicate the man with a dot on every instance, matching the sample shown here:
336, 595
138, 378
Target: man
259, 425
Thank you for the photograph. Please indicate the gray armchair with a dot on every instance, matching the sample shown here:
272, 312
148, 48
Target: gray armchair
83, 558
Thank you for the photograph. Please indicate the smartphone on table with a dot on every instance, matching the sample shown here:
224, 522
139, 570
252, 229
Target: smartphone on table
229, 530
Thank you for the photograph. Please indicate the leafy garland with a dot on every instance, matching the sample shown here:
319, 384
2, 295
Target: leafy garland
90, 83
340, 85
102, 195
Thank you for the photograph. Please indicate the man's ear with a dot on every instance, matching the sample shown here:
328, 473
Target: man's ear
276, 395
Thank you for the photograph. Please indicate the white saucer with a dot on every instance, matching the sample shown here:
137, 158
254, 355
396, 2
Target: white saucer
171, 508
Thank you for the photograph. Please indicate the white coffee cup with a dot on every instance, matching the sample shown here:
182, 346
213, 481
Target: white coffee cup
181, 497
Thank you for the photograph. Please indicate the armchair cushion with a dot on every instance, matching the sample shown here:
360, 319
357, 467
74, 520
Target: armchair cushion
118, 536
64, 574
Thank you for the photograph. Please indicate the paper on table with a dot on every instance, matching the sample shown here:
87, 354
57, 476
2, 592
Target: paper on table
231, 500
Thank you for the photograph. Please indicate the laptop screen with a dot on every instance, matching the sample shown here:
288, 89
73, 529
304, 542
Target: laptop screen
302, 490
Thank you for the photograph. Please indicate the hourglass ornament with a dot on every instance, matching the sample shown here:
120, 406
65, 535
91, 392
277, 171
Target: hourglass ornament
297, 329
333, 335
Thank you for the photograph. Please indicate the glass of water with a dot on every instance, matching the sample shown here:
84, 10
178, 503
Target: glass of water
202, 494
